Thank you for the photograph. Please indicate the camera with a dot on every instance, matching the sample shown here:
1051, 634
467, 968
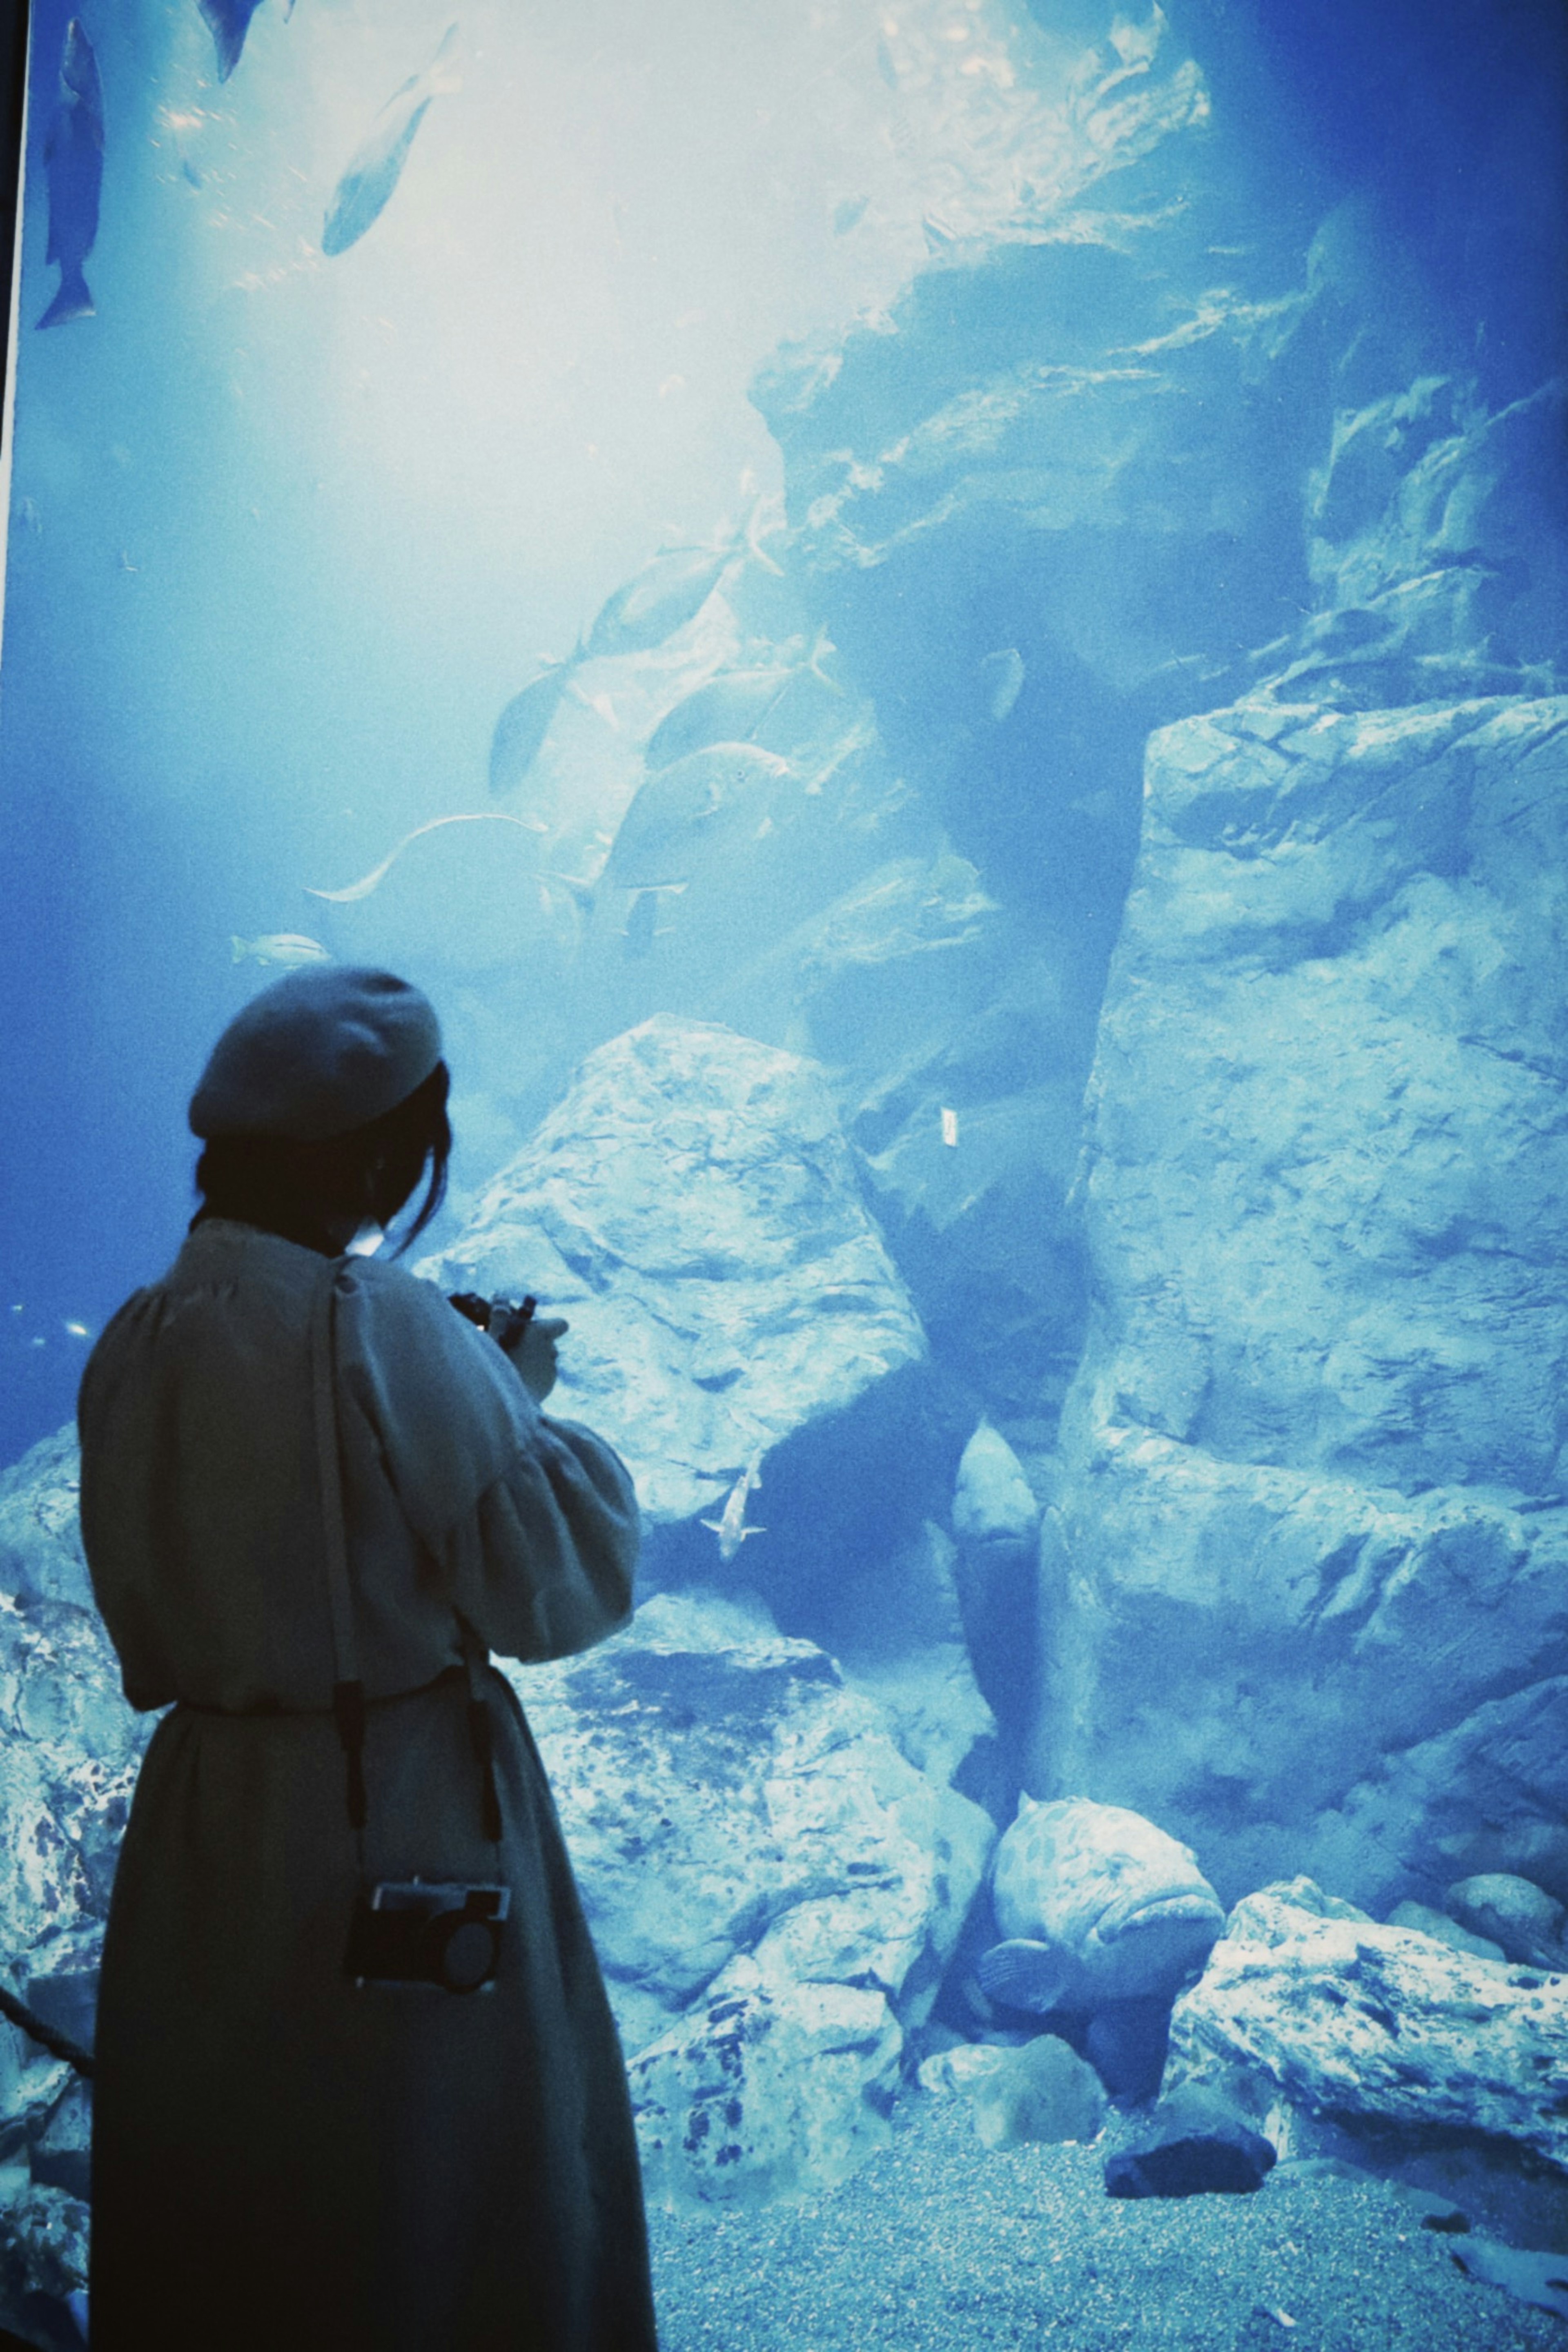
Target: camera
506, 1320
426, 1933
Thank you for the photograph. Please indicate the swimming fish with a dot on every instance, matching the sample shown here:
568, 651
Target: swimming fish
229, 21
378, 873
1095, 1904
730, 1526
366, 187
280, 947
659, 599
525, 722
1003, 675
730, 708
73, 168
674, 812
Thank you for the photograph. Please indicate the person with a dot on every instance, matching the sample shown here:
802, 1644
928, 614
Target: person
293, 2146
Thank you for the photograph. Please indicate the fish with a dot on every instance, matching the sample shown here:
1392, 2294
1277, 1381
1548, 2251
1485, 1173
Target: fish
730, 1524
1095, 1904
662, 597
73, 170
229, 21
521, 729
730, 708
1003, 674
674, 812
378, 873
290, 948
363, 193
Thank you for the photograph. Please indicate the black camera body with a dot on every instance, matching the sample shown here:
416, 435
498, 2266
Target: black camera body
426, 1934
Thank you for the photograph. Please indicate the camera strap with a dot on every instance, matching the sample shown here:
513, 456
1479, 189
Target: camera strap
348, 1685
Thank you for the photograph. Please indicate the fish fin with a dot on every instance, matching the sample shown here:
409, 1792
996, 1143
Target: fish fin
716, 1525
752, 1531
229, 39
444, 73
750, 539
72, 301
1024, 1975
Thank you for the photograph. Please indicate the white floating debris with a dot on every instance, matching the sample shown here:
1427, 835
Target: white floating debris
79, 1330
950, 1126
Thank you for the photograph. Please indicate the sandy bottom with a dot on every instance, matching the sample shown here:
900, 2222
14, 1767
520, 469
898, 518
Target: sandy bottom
940, 2242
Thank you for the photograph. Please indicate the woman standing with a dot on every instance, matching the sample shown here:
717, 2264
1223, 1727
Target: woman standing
313, 1498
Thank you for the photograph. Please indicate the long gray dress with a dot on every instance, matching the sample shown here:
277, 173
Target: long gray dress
281, 2158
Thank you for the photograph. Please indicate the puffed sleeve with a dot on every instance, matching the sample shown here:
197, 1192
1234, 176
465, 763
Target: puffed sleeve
543, 1565
534, 1521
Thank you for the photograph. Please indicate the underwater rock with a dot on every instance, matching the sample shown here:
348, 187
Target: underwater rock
1042, 2090
1538, 2279
1306, 1556
1191, 2146
1518, 1916
691, 1207
744, 1830
1096, 1906
768, 2092
70, 1745
1314, 2006
899, 1636
1428, 1922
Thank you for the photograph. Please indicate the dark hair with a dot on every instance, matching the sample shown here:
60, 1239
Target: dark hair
301, 1190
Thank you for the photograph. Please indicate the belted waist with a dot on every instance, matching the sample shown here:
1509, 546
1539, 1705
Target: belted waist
288, 1714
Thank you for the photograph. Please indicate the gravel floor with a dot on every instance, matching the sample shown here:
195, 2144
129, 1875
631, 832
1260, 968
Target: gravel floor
941, 2243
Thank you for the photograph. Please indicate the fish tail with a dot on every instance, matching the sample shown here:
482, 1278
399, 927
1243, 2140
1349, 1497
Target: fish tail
445, 75
73, 300
241, 948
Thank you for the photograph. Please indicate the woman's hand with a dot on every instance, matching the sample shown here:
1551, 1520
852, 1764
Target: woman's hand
529, 1341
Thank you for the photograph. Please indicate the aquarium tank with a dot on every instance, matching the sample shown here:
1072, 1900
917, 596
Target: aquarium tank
938, 627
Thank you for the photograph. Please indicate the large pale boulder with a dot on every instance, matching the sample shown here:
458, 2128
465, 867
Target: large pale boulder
770, 1882
1305, 1567
1309, 2006
692, 1208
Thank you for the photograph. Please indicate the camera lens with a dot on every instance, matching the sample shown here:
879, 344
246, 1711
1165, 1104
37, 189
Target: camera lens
467, 1954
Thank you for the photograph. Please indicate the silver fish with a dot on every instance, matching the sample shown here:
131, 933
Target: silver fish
675, 813
731, 1527
662, 597
1003, 675
728, 709
73, 169
290, 948
366, 187
525, 722
1095, 1904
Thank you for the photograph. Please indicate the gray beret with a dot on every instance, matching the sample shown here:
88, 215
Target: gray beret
316, 1053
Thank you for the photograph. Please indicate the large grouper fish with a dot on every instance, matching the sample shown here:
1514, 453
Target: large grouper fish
1096, 1906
